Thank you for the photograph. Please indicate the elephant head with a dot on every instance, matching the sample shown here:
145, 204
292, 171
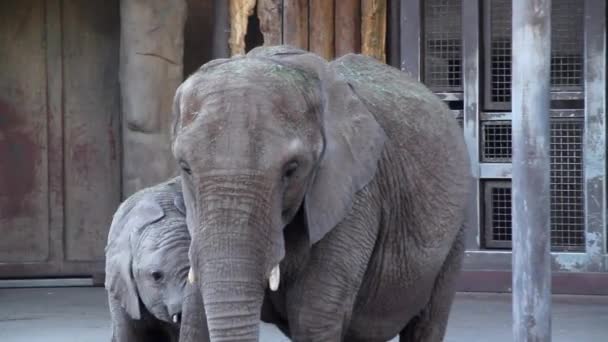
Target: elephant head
261, 138
147, 253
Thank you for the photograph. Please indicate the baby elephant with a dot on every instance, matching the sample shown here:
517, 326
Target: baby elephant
147, 264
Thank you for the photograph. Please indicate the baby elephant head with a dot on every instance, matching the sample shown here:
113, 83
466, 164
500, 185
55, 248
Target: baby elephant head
147, 254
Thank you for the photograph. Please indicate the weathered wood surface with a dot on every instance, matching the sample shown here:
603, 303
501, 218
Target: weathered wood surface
24, 150
240, 10
91, 38
269, 14
347, 27
373, 28
150, 72
321, 22
531, 171
295, 23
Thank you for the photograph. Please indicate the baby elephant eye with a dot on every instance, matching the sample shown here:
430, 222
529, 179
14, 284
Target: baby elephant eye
157, 275
185, 167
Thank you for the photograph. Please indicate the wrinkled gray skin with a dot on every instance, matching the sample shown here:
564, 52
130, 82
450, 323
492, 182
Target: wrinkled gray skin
147, 264
350, 174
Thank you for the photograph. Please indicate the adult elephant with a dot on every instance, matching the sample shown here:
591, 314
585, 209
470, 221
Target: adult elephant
336, 189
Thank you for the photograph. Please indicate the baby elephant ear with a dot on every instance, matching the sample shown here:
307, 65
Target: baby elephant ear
126, 226
178, 201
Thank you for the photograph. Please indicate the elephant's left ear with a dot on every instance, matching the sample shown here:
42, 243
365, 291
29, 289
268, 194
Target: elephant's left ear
353, 145
353, 141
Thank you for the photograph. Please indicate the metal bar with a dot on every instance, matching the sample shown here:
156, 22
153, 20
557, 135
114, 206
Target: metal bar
221, 29
59, 282
501, 259
470, 63
393, 33
531, 72
411, 37
594, 143
495, 170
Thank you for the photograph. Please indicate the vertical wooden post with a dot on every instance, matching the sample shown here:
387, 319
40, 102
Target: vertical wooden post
321, 28
151, 53
271, 21
240, 10
531, 170
347, 26
373, 28
295, 23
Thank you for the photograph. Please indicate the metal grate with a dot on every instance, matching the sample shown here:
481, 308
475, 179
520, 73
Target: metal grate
567, 190
567, 19
499, 72
567, 201
496, 142
498, 214
567, 36
442, 45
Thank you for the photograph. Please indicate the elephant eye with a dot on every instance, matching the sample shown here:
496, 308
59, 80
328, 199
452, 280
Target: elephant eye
157, 275
185, 167
290, 169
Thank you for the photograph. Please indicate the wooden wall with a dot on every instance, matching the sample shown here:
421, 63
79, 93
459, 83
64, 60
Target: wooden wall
330, 28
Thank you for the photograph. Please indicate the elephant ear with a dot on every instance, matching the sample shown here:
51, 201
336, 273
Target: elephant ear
126, 226
353, 142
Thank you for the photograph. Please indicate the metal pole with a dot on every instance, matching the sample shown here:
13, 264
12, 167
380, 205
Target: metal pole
531, 170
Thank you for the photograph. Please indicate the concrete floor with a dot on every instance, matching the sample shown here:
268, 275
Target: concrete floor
80, 314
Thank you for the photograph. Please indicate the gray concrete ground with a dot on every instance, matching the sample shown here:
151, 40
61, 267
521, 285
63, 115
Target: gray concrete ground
80, 314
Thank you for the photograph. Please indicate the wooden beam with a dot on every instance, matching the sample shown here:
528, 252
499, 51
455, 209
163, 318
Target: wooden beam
321, 39
271, 21
373, 28
347, 27
295, 23
240, 10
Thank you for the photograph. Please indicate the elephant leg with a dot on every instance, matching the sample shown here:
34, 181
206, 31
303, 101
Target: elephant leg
124, 328
430, 325
321, 301
194, 321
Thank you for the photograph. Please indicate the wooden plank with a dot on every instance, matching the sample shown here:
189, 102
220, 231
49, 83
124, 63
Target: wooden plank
271, 21
24, 211
348, 27
373, 28
295, 23
321, 39
54, 74
91, 36
240, 10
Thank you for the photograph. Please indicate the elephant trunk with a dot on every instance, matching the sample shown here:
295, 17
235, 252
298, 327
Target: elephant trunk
233, 259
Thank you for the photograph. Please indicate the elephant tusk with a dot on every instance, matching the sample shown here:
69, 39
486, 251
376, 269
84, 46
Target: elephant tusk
275, 277
175, 318
190, 276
